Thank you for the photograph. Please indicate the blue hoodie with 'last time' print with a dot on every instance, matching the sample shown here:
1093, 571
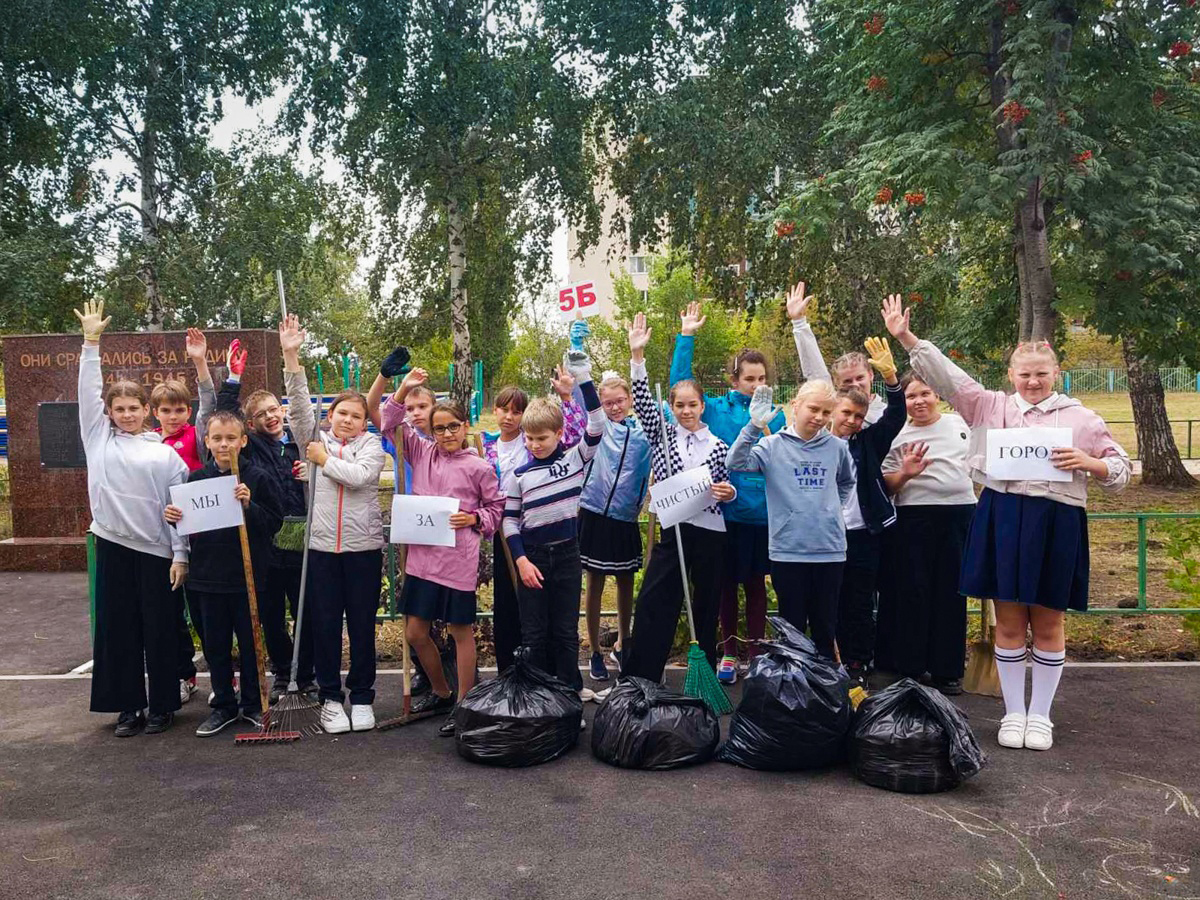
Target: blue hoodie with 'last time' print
807, 482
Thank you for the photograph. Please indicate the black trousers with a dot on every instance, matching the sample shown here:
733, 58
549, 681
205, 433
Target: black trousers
930, 626
281, 590
856, 604
550, 614
187, 650
137, 634
808, 598
892, 547
224, 616
660, 601
344, 584
506, 608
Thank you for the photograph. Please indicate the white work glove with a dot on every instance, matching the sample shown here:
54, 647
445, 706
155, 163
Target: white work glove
762, 410
579, 364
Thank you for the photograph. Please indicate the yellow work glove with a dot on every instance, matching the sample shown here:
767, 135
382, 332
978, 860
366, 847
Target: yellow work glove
880, 355
92, 319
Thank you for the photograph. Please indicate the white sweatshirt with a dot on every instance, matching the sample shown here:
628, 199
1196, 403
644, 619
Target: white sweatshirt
129, 475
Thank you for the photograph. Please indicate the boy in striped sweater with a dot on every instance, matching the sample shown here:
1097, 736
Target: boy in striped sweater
540, 524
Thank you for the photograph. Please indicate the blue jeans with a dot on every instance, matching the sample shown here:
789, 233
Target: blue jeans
550, 614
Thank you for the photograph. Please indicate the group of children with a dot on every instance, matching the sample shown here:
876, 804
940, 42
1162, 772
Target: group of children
855, 486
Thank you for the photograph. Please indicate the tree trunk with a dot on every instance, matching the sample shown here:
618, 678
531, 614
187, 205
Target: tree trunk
1161, 464
1034, 254
1025, 321
461, 389
148, 174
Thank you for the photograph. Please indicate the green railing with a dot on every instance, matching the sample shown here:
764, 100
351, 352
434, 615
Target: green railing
1142, 605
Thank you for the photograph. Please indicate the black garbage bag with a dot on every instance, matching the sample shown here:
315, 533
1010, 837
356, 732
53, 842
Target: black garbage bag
523, 717
910, 738
643, 725
795, 710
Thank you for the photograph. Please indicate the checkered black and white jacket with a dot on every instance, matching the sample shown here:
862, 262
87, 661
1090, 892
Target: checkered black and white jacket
644, 407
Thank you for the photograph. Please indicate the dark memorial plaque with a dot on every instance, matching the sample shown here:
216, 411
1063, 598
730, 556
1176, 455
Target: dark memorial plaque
46, 470
60, 446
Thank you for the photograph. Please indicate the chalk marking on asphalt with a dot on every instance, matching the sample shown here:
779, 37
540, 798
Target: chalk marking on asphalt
976, 830
1174, 794
82, 672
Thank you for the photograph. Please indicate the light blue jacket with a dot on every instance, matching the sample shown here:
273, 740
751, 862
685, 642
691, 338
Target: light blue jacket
726, 416
615, 482
807, 483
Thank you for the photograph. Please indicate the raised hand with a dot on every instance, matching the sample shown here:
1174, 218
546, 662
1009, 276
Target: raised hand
798, 301
562, 381
896, 318
237, 358
690, 320
413, 378
880, 356
92, 320
195, 345
395, 362
291, 335
762, 409
913, 461
639, 335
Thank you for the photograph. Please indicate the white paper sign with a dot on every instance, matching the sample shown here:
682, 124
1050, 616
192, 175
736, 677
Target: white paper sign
1023, 454
578, 297
423, 520
681, 496
207, 505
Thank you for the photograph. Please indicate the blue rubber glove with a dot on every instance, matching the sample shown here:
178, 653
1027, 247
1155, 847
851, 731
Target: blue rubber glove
579, 331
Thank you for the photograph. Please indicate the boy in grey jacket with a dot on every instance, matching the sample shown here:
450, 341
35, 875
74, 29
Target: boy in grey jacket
809, 474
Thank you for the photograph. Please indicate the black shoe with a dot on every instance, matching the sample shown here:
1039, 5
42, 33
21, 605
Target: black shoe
278, 689
130, 723
447, 729
420, 684
254, 717
218, 720
857, 673
157, 723
950, 687
309, 690
431, 702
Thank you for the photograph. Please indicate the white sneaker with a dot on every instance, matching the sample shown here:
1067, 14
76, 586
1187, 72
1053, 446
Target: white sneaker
1012, 731
187, 687
601, 696
586, 694
362, 716
333, 717
1039, 733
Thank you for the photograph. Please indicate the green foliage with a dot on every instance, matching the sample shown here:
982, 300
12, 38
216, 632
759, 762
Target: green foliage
1183, 549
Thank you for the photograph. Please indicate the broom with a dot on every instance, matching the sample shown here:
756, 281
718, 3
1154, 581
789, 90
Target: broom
407, 716
982, 676
701, 681
267, 733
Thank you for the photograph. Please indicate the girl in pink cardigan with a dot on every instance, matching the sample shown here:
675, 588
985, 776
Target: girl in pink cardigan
440, 582
1028, 544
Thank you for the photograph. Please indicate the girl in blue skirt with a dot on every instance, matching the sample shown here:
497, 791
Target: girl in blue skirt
1027, 547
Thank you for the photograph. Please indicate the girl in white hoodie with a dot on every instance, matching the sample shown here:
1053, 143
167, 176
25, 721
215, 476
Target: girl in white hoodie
141, 562
344, 561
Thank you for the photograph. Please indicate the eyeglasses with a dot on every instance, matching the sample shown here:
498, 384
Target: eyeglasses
269, 411
452, 428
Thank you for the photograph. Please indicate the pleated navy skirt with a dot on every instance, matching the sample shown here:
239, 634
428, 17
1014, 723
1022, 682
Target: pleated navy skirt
1028, 550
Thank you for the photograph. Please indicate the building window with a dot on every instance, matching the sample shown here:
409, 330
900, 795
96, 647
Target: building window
645, 298
637, 265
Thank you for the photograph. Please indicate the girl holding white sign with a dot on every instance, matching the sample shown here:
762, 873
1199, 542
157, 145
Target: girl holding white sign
1027, 547
141, 562
440, 582
660, 600
344, 564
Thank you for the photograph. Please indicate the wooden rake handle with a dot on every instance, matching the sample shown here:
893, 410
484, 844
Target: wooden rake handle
260, 647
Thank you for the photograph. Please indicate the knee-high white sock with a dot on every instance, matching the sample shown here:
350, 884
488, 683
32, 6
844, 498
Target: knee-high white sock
1047, 669
1011, 665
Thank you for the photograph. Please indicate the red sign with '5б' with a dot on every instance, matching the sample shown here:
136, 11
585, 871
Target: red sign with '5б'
578, 300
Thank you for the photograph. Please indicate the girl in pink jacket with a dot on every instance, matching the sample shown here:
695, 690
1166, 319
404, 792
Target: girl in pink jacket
1028, 544
440, 582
